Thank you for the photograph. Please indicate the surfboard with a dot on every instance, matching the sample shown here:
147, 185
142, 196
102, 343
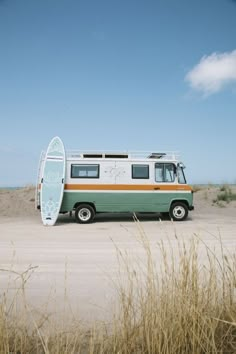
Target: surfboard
52, 182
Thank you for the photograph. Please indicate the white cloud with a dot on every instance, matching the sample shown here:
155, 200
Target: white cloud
213, 72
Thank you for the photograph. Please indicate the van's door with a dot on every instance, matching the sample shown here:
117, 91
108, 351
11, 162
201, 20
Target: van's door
165, 179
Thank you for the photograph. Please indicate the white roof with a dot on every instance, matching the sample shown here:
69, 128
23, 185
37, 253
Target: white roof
131, 155
169, 155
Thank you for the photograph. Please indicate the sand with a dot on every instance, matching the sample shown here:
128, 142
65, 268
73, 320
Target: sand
78, 262
17, 203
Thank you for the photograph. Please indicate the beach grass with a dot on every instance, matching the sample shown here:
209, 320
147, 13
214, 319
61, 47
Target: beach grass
225, 195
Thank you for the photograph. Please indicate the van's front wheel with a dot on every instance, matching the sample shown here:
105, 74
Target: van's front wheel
178, 211
84, 214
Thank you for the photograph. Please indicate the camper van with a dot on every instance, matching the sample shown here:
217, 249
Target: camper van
102, 182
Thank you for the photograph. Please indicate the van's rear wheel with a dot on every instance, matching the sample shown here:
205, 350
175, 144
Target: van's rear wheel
84, 214
178, 211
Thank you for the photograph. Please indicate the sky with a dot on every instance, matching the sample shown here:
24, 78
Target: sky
126, 75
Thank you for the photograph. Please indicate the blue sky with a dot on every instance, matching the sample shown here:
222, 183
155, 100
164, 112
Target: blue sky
118, 75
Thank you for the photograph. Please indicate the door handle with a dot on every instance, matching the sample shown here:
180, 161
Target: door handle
156, 188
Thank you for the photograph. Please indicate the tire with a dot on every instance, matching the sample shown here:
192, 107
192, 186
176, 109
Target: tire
84, 214
178, 211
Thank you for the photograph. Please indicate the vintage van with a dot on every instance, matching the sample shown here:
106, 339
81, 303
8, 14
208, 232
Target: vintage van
101, 182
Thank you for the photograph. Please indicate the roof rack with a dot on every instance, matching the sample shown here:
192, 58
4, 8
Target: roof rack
169, 155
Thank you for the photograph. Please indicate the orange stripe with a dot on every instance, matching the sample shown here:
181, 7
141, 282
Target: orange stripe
126, 187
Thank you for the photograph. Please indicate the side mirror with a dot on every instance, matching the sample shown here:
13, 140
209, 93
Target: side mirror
181, 165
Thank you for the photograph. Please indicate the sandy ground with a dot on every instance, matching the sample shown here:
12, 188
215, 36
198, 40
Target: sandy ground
79, 262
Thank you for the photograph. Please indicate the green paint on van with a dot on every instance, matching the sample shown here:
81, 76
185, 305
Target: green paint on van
125, 202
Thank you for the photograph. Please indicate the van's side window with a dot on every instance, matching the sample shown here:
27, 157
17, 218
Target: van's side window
140, 171
84, 171
165, 172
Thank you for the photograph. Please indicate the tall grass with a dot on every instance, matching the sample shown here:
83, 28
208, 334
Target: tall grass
226, 195
181, 307
181, 302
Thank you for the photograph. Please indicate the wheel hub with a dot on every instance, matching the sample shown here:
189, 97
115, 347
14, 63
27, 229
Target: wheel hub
179, 212
84, 214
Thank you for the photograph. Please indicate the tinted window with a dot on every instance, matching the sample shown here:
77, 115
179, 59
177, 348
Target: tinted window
140, 171
85, 171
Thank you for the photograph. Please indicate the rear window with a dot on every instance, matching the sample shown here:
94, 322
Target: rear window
84, 171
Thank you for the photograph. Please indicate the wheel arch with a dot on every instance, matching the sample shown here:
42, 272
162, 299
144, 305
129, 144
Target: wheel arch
87, 203
181, 200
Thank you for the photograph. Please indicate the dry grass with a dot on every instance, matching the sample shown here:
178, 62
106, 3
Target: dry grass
226, 195
180, 304
196, 188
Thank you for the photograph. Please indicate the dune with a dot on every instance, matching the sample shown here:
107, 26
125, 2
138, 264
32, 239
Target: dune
18, 202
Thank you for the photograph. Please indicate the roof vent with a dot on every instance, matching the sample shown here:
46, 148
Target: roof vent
156, 155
